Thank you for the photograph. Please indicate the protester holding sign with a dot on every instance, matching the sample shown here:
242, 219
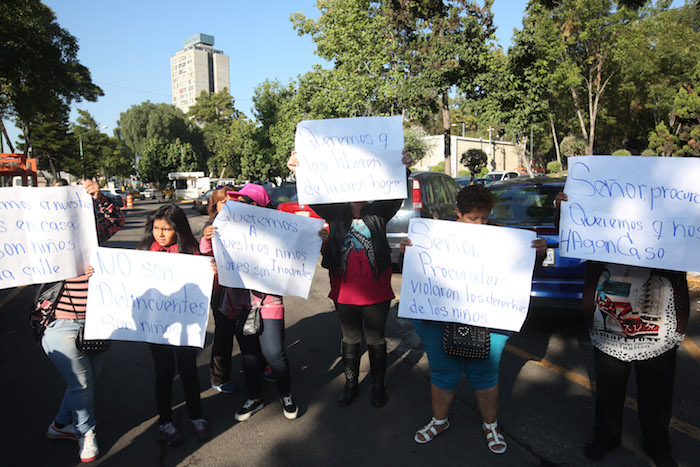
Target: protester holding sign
168, 230
358, 259
256, 349
474, 204
222, 346
76, 419
636, 317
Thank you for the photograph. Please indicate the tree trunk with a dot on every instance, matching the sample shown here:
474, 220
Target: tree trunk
7, 138
445, 107
556, 141
53, 168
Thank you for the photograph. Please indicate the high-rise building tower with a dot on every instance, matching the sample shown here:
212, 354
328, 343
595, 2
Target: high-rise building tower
197, 67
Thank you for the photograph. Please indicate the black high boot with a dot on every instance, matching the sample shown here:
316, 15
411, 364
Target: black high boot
351, 363
377, 360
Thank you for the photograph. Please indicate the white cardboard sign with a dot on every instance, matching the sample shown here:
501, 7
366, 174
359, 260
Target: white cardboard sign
266, 250
148, 296
46, 234
467, 273
640, 211
350, 159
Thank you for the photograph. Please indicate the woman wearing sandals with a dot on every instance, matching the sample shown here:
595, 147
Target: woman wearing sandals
474, 204
358, 259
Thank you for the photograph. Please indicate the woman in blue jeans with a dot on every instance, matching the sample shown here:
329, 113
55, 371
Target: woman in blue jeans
474, 205
75, 419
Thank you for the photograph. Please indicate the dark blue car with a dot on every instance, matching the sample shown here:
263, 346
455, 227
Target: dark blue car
528, 203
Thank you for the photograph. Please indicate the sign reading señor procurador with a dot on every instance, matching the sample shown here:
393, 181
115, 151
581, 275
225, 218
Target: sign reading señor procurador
467, 273
640, 211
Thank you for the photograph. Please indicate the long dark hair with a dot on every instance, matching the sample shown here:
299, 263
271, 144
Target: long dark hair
173, 215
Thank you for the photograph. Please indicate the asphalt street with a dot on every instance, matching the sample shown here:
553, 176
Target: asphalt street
546, 386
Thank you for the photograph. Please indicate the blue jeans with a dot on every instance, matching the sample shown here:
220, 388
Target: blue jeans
79, 370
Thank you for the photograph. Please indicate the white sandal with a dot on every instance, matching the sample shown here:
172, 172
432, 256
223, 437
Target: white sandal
429, 432
494, 438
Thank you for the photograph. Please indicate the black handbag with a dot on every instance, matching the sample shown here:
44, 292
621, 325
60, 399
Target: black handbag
44, 307
90, 345
466, 341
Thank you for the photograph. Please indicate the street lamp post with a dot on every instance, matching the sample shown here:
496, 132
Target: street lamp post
455, 124
80, 141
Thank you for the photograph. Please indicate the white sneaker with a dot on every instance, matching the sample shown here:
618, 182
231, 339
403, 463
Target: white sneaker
88, 447
66, 432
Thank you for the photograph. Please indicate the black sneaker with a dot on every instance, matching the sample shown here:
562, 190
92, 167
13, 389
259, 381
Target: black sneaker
290, 408
250, 408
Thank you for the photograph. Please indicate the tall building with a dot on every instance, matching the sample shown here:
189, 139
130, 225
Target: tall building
197, 67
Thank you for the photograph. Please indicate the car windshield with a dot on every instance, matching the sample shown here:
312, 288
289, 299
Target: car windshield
493, 177
524, 204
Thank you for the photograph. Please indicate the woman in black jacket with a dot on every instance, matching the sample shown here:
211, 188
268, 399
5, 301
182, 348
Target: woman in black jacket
358, 259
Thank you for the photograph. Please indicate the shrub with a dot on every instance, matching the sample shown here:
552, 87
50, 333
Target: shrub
648, 152
554, 167
622, 152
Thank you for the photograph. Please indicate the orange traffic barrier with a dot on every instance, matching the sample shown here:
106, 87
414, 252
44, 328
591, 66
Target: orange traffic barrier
129, 201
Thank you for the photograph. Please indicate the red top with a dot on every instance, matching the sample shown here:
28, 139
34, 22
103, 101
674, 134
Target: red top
359, 288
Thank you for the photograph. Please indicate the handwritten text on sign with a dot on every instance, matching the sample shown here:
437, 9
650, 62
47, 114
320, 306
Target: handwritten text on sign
350, 159
46, 234
641, 211
148, 296
466, 273
266, 250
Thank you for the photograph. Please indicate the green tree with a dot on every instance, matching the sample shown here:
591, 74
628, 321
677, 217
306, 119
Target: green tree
222, 126
147, 121
39, 67
662, 142
474, 159
96, 146
414, 142
53, 142
400, 55
573, 146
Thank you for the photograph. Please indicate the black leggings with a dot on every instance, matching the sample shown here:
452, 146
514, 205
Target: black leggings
256, 350
352, 318
654, 396
164, 359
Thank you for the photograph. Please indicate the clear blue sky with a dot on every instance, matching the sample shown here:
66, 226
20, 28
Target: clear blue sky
127, 45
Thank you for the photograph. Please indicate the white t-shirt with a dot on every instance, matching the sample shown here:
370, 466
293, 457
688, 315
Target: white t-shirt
635, 314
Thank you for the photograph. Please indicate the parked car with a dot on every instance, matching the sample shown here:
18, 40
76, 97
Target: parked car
294, 207
282, 193
201, 203
430, 195
116, 199
465, 181
152, 193
528, 203
498, 175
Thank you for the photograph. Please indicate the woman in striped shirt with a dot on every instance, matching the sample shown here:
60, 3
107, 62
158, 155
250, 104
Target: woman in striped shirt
75, 419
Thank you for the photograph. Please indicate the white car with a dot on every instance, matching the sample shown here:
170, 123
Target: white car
152, 193
498, 175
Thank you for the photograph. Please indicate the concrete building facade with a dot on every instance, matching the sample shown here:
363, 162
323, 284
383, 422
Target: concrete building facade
197, 67
501, 154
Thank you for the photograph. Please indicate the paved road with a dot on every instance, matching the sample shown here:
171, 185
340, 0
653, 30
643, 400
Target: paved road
546, 400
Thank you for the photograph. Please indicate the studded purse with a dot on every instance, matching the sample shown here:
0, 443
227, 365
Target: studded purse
466, 341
